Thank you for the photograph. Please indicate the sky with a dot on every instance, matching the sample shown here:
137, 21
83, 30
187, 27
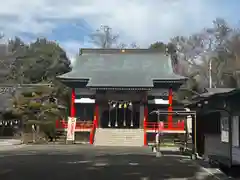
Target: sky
69, 22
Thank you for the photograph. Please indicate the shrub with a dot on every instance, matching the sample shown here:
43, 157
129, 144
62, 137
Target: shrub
34, 105
27, 94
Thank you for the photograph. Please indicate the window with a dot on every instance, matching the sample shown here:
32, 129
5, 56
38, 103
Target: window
224, 129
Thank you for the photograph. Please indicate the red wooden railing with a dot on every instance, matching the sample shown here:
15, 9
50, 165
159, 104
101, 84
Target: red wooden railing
80, 125
62, 124
177, 126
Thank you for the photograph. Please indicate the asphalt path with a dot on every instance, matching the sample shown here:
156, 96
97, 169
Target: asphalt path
83, 162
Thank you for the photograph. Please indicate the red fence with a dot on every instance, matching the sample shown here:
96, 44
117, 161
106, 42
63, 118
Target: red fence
84, 126
80, 125
61, 124
178, 126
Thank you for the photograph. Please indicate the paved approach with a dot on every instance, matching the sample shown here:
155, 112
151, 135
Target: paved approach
61, 162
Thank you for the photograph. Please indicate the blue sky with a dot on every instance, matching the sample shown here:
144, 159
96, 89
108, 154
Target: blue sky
70, 22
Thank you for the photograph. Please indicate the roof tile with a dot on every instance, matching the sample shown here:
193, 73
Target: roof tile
134, 68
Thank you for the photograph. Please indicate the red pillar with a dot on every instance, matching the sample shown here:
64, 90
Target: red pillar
73, 110
95, 124
170, 118
96, 116
145, 124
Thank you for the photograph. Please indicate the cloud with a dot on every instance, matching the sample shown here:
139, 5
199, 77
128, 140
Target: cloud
140, 21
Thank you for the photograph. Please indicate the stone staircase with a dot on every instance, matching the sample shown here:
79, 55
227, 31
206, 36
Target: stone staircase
119, 137
10, 142
61, 137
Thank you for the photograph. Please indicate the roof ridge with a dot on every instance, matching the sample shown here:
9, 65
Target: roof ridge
119, 51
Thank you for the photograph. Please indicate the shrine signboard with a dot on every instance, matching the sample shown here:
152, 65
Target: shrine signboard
71, 128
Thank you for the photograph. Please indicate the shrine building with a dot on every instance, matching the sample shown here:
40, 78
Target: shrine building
114, 92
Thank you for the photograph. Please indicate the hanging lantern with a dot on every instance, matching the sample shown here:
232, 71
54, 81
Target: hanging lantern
124, 122
109, 113
120, 106
125, 105
130, 106
114, 105
1, 123
116, 124
11, 123
131, 123
110, 104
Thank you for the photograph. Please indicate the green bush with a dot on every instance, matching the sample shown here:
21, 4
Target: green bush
27, 94
21, 100
31, 122
28, 125
38, 92
17, 112
34, 105
47, 106
55, 111
49, 129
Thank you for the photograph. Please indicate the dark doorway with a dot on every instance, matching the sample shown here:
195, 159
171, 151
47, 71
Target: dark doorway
85, 112
153, 117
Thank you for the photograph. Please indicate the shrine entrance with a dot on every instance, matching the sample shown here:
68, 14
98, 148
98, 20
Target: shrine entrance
120, 115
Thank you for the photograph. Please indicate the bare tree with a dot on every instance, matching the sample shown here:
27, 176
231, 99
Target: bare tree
134, 45
122, 46
215, 45
6, 61
104, 37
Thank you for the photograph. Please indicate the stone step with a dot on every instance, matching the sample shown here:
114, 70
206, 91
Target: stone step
120, 145
4, 142
119, 137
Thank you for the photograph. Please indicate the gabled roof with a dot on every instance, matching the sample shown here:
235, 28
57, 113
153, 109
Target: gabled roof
117, 68
213, 92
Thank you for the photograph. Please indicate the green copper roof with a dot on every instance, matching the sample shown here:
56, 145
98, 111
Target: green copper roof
134, 69
120, 79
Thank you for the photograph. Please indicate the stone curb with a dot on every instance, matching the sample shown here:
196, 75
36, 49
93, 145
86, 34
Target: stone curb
11, 147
